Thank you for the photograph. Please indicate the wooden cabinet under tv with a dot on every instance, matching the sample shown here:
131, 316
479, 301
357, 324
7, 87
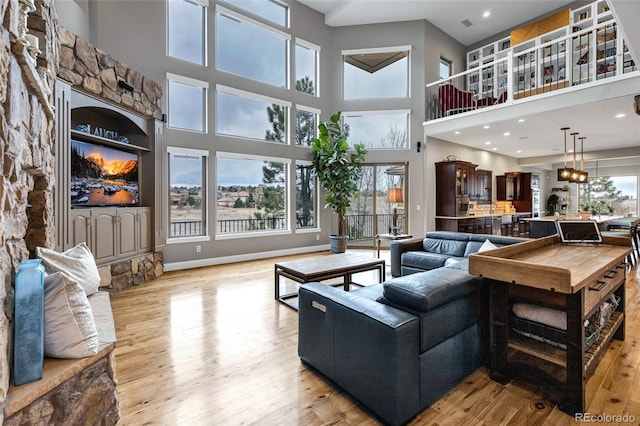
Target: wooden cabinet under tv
112, 233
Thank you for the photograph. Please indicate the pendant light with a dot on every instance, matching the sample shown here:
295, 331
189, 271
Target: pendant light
596, 186
583, 176
574, 172
564, 173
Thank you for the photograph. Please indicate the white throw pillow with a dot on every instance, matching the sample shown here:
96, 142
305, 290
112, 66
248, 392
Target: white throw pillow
69, 328
77, 263
487, 245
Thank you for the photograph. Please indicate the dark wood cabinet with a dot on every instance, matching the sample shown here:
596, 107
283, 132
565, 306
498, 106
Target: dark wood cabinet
481, 189
517, 188
454, 180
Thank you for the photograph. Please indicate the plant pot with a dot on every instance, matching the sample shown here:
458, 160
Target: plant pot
585, 215
338, 243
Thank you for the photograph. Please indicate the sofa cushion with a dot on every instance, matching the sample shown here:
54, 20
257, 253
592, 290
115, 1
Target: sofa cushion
423, 260
425, 291
447, 246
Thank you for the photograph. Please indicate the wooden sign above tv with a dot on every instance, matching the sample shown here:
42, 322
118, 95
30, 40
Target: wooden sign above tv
102, 132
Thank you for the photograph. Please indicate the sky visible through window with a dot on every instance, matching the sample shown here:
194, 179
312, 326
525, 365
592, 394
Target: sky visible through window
269, 10
186, 106
186, 31
385, 131
248, 51
388, 82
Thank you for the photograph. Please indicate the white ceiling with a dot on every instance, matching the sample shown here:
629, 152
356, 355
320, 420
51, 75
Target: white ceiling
445, 14
589, 112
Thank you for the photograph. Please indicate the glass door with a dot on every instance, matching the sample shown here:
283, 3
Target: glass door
380, 205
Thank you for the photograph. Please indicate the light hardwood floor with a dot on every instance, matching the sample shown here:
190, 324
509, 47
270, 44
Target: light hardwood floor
211, 346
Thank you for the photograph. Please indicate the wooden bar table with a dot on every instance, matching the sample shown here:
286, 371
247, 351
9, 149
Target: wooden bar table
573, 278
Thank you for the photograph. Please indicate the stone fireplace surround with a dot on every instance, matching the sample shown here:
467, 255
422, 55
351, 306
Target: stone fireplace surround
27, 188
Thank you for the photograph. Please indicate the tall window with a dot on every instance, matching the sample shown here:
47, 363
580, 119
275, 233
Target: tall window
445, 68
306, 125
187, 100
306, 197
376, 73
273, 11
379, 129
247, 115
306, 67
251, 194
186, 30
187, 192
250, 49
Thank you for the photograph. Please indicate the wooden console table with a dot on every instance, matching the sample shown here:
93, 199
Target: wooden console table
573, 278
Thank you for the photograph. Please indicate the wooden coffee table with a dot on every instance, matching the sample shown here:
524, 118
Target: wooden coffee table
322, 268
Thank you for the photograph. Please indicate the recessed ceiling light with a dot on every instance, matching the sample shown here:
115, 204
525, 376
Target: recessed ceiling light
494, 148
519, 151
521, 120
487, 143
486, 14
506, 133
569, 150
457, 132
486, 126
621, 115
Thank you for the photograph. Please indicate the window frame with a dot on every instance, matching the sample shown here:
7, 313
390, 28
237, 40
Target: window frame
221, 10
287, 17
406, 112
390, 49
316, 212
316, 49
444, 60
311, 110
206, 236
205, 32
205, 107
287, 191
255, 96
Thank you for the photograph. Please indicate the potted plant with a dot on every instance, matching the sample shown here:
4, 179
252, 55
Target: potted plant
585, 210
553, 204
338, 170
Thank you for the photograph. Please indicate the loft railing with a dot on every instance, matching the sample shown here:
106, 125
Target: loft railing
528, 69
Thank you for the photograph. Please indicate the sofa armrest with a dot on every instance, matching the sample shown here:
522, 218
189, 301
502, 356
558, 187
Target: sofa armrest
397, 247
369, 349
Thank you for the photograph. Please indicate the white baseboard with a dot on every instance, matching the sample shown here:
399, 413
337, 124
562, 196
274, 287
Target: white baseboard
177, 266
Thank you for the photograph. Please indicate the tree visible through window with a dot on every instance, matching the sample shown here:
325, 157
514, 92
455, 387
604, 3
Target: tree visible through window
614, 195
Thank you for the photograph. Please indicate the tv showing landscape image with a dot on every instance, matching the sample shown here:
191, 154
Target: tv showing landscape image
102, 176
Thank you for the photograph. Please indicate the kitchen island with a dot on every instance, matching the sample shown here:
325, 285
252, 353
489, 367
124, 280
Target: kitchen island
511, 224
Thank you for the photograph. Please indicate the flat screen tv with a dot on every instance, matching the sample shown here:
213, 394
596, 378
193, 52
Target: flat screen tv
103, 175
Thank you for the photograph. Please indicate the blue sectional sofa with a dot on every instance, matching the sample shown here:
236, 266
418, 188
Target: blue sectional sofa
438, 249
401, 345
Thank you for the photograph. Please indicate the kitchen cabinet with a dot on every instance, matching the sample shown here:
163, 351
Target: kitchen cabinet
481, 190
454, 180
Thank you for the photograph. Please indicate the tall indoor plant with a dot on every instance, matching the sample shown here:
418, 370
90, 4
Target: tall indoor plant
338, 170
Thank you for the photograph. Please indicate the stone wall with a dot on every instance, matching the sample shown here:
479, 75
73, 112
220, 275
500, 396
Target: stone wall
120, 276
27, 131
93, 71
